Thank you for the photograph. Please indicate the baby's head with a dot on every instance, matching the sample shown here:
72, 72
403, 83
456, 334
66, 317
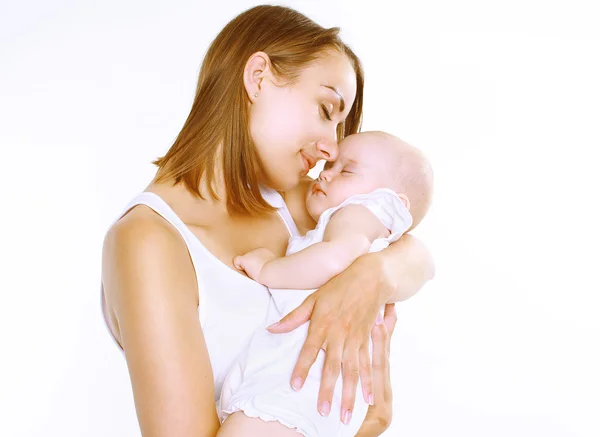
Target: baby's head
372, 160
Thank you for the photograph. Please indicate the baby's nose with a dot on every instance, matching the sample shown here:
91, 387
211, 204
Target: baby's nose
325, 175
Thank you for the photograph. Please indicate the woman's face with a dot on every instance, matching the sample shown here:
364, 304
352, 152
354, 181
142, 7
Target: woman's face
295, 126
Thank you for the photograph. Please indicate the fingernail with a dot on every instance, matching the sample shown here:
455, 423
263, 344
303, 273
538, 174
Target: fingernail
371, 401
347, 417
273, 325
379, 320
297, 384
325, 408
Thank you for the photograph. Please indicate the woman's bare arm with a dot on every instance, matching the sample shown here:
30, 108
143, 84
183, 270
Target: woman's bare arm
150, 286
343, 311
403, 268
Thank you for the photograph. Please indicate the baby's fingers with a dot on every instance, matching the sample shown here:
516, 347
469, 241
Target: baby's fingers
238, 262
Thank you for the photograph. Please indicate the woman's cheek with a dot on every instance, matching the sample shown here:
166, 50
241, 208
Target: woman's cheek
288, 117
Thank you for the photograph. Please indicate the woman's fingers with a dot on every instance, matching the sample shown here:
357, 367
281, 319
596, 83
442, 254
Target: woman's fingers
381, 335
317, 333
331, 373
381, 412
340, 335
390, 318
366, 376
296, 318
350, 373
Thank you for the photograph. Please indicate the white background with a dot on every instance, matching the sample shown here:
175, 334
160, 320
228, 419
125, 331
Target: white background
504, 98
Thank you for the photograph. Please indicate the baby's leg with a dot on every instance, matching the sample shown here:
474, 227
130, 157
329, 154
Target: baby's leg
240, 425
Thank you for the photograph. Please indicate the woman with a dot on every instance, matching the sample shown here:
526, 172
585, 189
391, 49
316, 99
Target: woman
275, 94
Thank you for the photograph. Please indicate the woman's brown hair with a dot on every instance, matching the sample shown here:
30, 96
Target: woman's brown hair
220, 114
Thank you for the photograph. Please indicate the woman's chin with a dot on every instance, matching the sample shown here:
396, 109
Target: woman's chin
284, 183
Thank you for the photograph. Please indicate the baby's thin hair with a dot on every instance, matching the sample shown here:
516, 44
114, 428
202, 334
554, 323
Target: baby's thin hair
413, 175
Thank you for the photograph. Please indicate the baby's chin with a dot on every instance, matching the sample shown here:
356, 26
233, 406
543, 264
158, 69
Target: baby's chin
315, 208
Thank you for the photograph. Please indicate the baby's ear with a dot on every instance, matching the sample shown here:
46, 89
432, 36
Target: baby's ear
404, 200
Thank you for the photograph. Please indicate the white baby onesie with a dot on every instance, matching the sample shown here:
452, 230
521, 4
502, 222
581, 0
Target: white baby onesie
259, 381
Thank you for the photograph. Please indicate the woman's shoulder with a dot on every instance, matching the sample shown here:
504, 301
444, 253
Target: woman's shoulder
139, 221
141, 250
142, 233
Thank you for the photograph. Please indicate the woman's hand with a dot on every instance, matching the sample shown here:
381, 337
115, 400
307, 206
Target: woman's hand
342, 313
379, 416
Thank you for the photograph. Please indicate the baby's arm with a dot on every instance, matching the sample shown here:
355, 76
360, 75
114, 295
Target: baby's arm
348, 235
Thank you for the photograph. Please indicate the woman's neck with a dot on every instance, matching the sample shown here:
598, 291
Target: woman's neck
188, 204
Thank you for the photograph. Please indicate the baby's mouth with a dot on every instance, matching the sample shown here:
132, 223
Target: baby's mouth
317, 189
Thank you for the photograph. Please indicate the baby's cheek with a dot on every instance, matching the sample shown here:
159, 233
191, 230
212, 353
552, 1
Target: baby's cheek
314, 207
352, 188
335, 198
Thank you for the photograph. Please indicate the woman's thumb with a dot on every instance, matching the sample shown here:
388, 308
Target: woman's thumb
295, 318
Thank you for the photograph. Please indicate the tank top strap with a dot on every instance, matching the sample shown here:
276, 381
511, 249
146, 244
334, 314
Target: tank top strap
159, 206
162, 208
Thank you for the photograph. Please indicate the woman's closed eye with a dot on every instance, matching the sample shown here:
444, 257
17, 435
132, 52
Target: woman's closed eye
326, 112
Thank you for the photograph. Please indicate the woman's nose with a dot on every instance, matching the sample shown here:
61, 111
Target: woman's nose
327, 149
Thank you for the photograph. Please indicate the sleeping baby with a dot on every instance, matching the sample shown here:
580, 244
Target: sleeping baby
377, 189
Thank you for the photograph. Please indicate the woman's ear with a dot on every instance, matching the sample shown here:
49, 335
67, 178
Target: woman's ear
404, 199
257, 70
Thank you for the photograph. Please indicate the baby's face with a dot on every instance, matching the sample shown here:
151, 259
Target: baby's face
363, 165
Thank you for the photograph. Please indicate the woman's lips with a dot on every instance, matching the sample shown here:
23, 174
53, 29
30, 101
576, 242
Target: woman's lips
308, 162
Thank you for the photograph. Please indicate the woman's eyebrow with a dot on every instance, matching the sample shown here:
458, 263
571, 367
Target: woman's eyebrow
342, 102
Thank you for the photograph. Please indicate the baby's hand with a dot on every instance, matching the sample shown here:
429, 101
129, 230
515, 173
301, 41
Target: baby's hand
252, 262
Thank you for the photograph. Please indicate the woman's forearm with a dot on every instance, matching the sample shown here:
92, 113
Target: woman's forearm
406, 265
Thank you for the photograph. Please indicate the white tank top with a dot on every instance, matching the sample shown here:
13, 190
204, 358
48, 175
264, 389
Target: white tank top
232, 306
